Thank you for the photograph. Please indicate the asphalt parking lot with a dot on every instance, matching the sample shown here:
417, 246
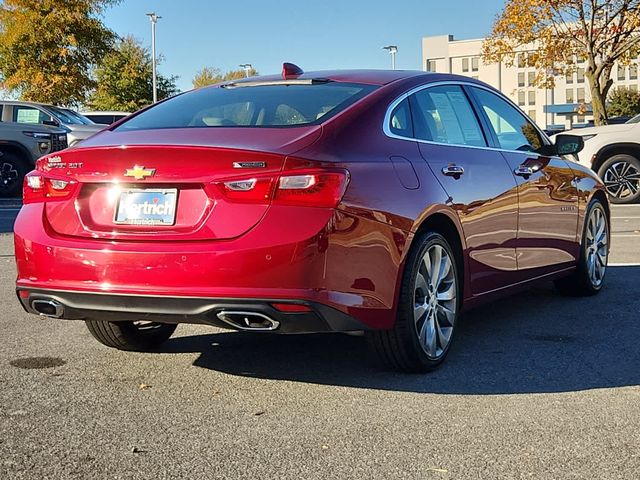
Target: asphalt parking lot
537, 386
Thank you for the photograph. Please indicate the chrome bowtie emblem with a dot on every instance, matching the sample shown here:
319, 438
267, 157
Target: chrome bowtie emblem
139, 173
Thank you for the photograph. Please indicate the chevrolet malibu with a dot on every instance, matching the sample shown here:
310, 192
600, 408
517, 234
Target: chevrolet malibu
387, 202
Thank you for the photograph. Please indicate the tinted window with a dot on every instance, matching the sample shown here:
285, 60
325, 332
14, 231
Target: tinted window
400, 122
102, 119
278, 105
444, 115
512, 128
23, 114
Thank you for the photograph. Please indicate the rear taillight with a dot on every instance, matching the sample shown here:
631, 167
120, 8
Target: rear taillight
249, 190
305, 188
40, 187
323, 189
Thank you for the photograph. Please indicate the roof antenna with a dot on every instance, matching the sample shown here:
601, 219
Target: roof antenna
291, 70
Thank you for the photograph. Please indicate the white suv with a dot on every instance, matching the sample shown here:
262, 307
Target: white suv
613, 151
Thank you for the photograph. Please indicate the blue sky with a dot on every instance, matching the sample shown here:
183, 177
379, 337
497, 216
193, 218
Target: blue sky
313, 34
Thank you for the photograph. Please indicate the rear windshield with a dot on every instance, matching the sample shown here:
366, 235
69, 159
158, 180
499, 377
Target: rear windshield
253, 106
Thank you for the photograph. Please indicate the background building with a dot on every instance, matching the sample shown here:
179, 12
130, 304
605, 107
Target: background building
555, 108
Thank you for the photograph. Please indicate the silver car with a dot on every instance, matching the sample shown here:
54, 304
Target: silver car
78, 127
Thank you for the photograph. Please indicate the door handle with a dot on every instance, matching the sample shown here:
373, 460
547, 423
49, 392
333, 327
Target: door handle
453, 170
524, 171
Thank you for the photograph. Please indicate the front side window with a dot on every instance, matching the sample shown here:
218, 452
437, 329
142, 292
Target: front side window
31, 115
513, 130
266, 105
443, 115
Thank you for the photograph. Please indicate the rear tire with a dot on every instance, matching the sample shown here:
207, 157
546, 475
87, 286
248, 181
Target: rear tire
588, 277
621, 176
13, 168
427, 310
131, 336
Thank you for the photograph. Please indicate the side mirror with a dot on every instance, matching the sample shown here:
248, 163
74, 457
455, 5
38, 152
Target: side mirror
568, 144
51, 123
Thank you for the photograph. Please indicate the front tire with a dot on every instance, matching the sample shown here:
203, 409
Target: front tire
131, 336
621, 177
588, 277
427, 311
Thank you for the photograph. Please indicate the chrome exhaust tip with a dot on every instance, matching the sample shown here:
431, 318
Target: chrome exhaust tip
48, 308
253, 321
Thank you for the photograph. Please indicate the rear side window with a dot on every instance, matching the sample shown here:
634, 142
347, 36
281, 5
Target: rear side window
102, 119
443, 115
400, 122
280, 105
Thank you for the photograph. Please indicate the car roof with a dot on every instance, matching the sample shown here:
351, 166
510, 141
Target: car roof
104, 112
372, 77
33, 104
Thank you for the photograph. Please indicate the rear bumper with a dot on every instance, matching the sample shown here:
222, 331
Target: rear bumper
211, 311
323, 258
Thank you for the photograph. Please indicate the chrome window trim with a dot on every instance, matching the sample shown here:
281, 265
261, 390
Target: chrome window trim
386, 126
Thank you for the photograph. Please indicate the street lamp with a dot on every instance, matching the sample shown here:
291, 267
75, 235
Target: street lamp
393, 49
154, 19
247, 68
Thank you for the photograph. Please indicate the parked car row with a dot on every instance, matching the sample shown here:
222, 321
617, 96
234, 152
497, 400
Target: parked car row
30, 130
613, 151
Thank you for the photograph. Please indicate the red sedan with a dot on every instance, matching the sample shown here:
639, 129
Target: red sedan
380, 201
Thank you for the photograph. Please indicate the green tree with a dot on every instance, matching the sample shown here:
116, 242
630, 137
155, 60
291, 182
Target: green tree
211, 75
124, 79
624, 102
49, 47
557, 33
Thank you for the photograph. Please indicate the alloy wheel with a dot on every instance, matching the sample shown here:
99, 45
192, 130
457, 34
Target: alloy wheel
622, 180
435, 305
597, 246
8, 175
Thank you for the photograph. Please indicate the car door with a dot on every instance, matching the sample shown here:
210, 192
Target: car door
477, 179
547, 192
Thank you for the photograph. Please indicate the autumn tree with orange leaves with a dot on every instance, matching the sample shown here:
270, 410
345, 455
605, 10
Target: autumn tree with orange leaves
557, 32
48, 48
211, 75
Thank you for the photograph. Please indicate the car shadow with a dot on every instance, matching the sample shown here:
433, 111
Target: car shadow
534, 342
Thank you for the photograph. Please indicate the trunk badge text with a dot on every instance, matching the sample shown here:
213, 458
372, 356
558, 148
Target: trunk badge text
249, 164
139, 173
56, 162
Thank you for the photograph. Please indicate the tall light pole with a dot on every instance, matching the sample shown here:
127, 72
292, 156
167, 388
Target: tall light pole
393, 49
154, 19
247, 68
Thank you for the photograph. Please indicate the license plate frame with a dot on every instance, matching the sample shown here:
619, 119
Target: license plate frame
148, 219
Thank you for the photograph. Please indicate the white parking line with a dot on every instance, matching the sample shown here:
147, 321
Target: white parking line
624, 264
636, 235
